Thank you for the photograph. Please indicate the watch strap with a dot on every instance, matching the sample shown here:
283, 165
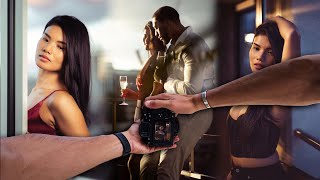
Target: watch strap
125, 143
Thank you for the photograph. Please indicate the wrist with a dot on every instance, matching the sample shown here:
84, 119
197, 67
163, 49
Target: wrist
204, 99
125, 143
129, 137
197, 102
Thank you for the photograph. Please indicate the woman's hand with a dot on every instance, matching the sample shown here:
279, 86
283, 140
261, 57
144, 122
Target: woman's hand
129, 94
139, 81
137, 147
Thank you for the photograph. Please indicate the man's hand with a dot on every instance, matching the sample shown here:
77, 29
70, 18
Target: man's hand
180, 104
137, 147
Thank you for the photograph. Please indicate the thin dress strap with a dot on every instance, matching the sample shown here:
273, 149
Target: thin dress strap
52, 93
40, 102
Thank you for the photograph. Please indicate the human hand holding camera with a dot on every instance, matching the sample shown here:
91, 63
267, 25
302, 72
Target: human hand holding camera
159, 127
137, 146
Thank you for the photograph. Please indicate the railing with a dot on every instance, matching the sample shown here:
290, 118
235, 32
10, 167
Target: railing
307, 138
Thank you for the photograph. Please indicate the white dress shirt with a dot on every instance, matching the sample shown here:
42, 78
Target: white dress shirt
189, 66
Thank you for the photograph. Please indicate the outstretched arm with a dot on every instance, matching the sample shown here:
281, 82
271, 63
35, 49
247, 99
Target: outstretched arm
39, 156
292, 83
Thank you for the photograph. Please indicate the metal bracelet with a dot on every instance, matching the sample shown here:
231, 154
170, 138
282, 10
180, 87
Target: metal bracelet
204, 99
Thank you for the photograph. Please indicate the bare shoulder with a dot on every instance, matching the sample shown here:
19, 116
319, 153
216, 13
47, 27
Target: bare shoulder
67, 114
63, 104
60, 99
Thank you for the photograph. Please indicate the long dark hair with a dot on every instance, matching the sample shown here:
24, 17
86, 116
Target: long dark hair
76, 67
270, 29
255, 114
148, 70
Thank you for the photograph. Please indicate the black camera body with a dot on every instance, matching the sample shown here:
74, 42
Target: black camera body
158, 127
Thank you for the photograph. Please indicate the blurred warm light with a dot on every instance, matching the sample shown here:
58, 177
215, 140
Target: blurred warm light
249, 37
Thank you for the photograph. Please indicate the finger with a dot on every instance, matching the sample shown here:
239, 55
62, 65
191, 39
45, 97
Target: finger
176, 139
138, 83
156, 104
164, 148
173, 146
162, 96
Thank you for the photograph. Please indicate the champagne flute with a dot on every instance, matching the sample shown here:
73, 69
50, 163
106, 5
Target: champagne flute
123, 85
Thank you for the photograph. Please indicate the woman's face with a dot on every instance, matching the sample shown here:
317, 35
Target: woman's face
50, 49
260, 54
146, 39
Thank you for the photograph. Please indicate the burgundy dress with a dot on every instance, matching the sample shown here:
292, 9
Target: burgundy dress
35, 123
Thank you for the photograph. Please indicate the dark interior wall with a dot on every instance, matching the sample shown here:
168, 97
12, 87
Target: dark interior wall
227, 71
227, 46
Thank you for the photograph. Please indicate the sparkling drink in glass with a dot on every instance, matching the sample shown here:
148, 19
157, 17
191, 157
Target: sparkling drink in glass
123, 85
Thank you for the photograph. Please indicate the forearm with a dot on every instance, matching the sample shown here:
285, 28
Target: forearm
292, 83
291, 48
56, 157
291, 36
